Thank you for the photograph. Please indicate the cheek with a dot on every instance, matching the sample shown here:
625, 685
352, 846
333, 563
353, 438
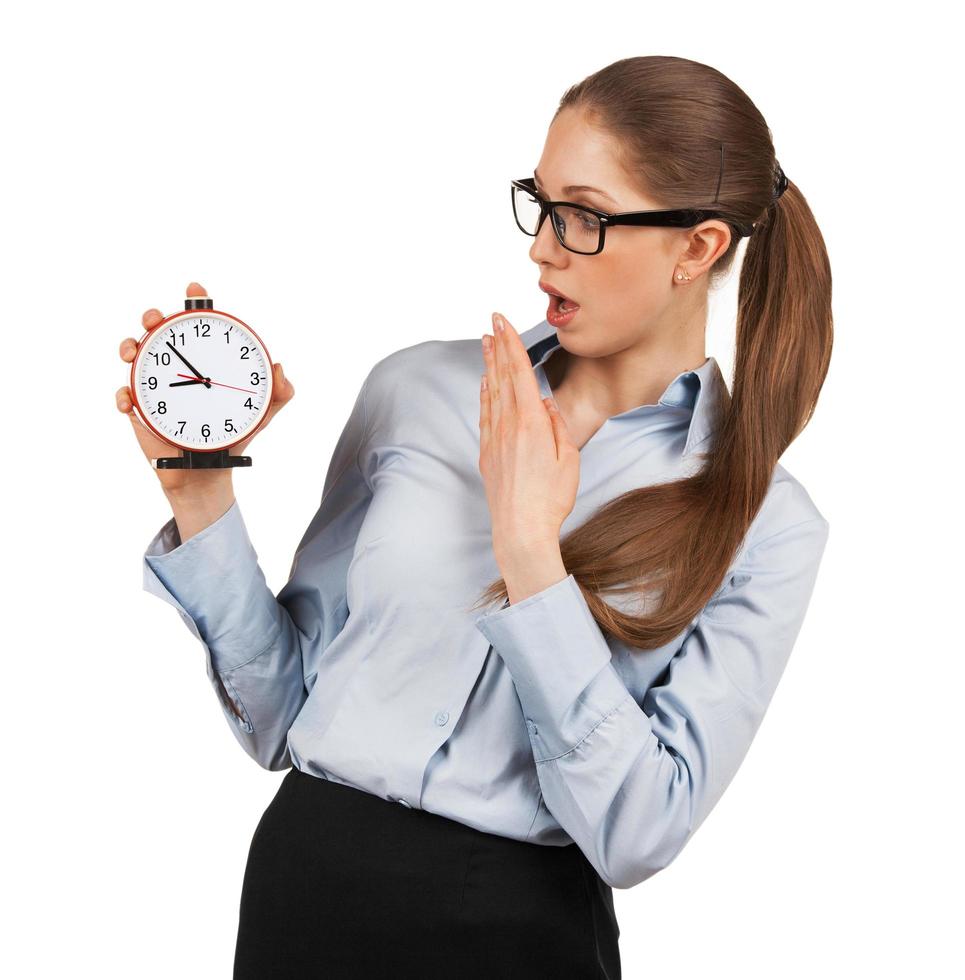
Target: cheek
633, 286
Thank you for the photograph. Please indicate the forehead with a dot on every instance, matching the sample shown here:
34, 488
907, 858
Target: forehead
577, 153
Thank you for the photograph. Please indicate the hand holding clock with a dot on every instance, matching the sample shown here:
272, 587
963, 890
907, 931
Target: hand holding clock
153, 447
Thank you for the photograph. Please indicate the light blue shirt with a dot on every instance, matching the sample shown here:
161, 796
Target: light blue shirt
528, 720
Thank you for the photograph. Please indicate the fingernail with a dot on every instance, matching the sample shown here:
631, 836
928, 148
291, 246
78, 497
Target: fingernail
498, 322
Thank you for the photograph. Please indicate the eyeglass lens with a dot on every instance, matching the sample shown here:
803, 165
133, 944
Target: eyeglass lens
579, 229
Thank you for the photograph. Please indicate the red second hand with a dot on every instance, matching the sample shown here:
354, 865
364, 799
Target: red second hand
191, 377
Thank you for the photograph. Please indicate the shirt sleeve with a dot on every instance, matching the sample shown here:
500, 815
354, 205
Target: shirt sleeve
631, 782
260, 649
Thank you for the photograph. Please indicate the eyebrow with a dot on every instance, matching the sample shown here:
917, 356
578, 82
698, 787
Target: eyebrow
573, 188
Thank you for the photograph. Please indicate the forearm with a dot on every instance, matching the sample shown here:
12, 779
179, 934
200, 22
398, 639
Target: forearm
252, 646
630, 778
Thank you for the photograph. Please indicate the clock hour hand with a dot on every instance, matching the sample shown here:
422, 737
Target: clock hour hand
205, 381
208, 382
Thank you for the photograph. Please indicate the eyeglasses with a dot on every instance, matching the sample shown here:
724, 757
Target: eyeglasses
582, 229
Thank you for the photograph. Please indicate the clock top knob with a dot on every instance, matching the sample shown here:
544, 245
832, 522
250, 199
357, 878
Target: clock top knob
199, 303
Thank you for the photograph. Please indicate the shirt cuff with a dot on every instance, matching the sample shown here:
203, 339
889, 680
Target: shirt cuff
554, 648
215, 582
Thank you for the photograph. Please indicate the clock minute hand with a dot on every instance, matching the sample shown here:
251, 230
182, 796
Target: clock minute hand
204, 381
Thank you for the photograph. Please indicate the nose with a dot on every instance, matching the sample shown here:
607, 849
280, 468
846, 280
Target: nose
546, 246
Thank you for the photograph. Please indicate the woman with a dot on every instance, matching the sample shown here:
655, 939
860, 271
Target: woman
466, 789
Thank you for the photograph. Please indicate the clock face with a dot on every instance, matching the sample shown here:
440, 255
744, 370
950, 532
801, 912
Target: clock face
202, 381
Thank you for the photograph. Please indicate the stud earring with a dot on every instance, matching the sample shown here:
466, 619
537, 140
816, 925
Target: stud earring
681, 275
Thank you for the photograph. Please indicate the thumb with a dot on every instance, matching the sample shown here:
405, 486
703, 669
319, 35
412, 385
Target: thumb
285, 389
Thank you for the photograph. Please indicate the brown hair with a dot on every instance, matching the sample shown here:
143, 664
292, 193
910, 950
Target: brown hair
677, 539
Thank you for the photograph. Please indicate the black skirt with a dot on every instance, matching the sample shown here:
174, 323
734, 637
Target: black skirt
342, 883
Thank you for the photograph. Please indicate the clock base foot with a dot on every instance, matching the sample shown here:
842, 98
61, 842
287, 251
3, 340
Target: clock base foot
201, 461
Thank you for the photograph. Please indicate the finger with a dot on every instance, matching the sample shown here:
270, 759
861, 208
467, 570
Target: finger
525, 386
485, 413
504, 368
492, 381
151, 318
125, 404
289, 387
283, 389
128, 349
196, 289
122, 397
560, 432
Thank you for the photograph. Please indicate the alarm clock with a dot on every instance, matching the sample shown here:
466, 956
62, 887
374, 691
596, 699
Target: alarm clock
202, 382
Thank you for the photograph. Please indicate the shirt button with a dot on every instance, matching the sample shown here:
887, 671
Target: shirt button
442, 717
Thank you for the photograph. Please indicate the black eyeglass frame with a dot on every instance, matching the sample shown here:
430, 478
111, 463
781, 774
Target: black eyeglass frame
668, 218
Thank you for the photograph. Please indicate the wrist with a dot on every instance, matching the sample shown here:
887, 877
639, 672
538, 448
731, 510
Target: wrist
203, 491
530, 566
516, 548
196, 509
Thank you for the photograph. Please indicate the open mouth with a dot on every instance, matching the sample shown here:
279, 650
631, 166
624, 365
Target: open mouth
561, 311
561, 305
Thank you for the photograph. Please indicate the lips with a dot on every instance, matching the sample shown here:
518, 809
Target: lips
553, 291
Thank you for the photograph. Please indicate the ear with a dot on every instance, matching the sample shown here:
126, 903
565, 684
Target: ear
705, 245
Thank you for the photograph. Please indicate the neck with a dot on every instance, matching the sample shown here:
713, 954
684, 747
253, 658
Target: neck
591, 389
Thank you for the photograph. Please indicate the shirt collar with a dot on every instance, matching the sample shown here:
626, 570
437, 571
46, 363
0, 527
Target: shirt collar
698, 391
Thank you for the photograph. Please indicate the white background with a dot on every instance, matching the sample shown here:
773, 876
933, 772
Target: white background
260, 150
